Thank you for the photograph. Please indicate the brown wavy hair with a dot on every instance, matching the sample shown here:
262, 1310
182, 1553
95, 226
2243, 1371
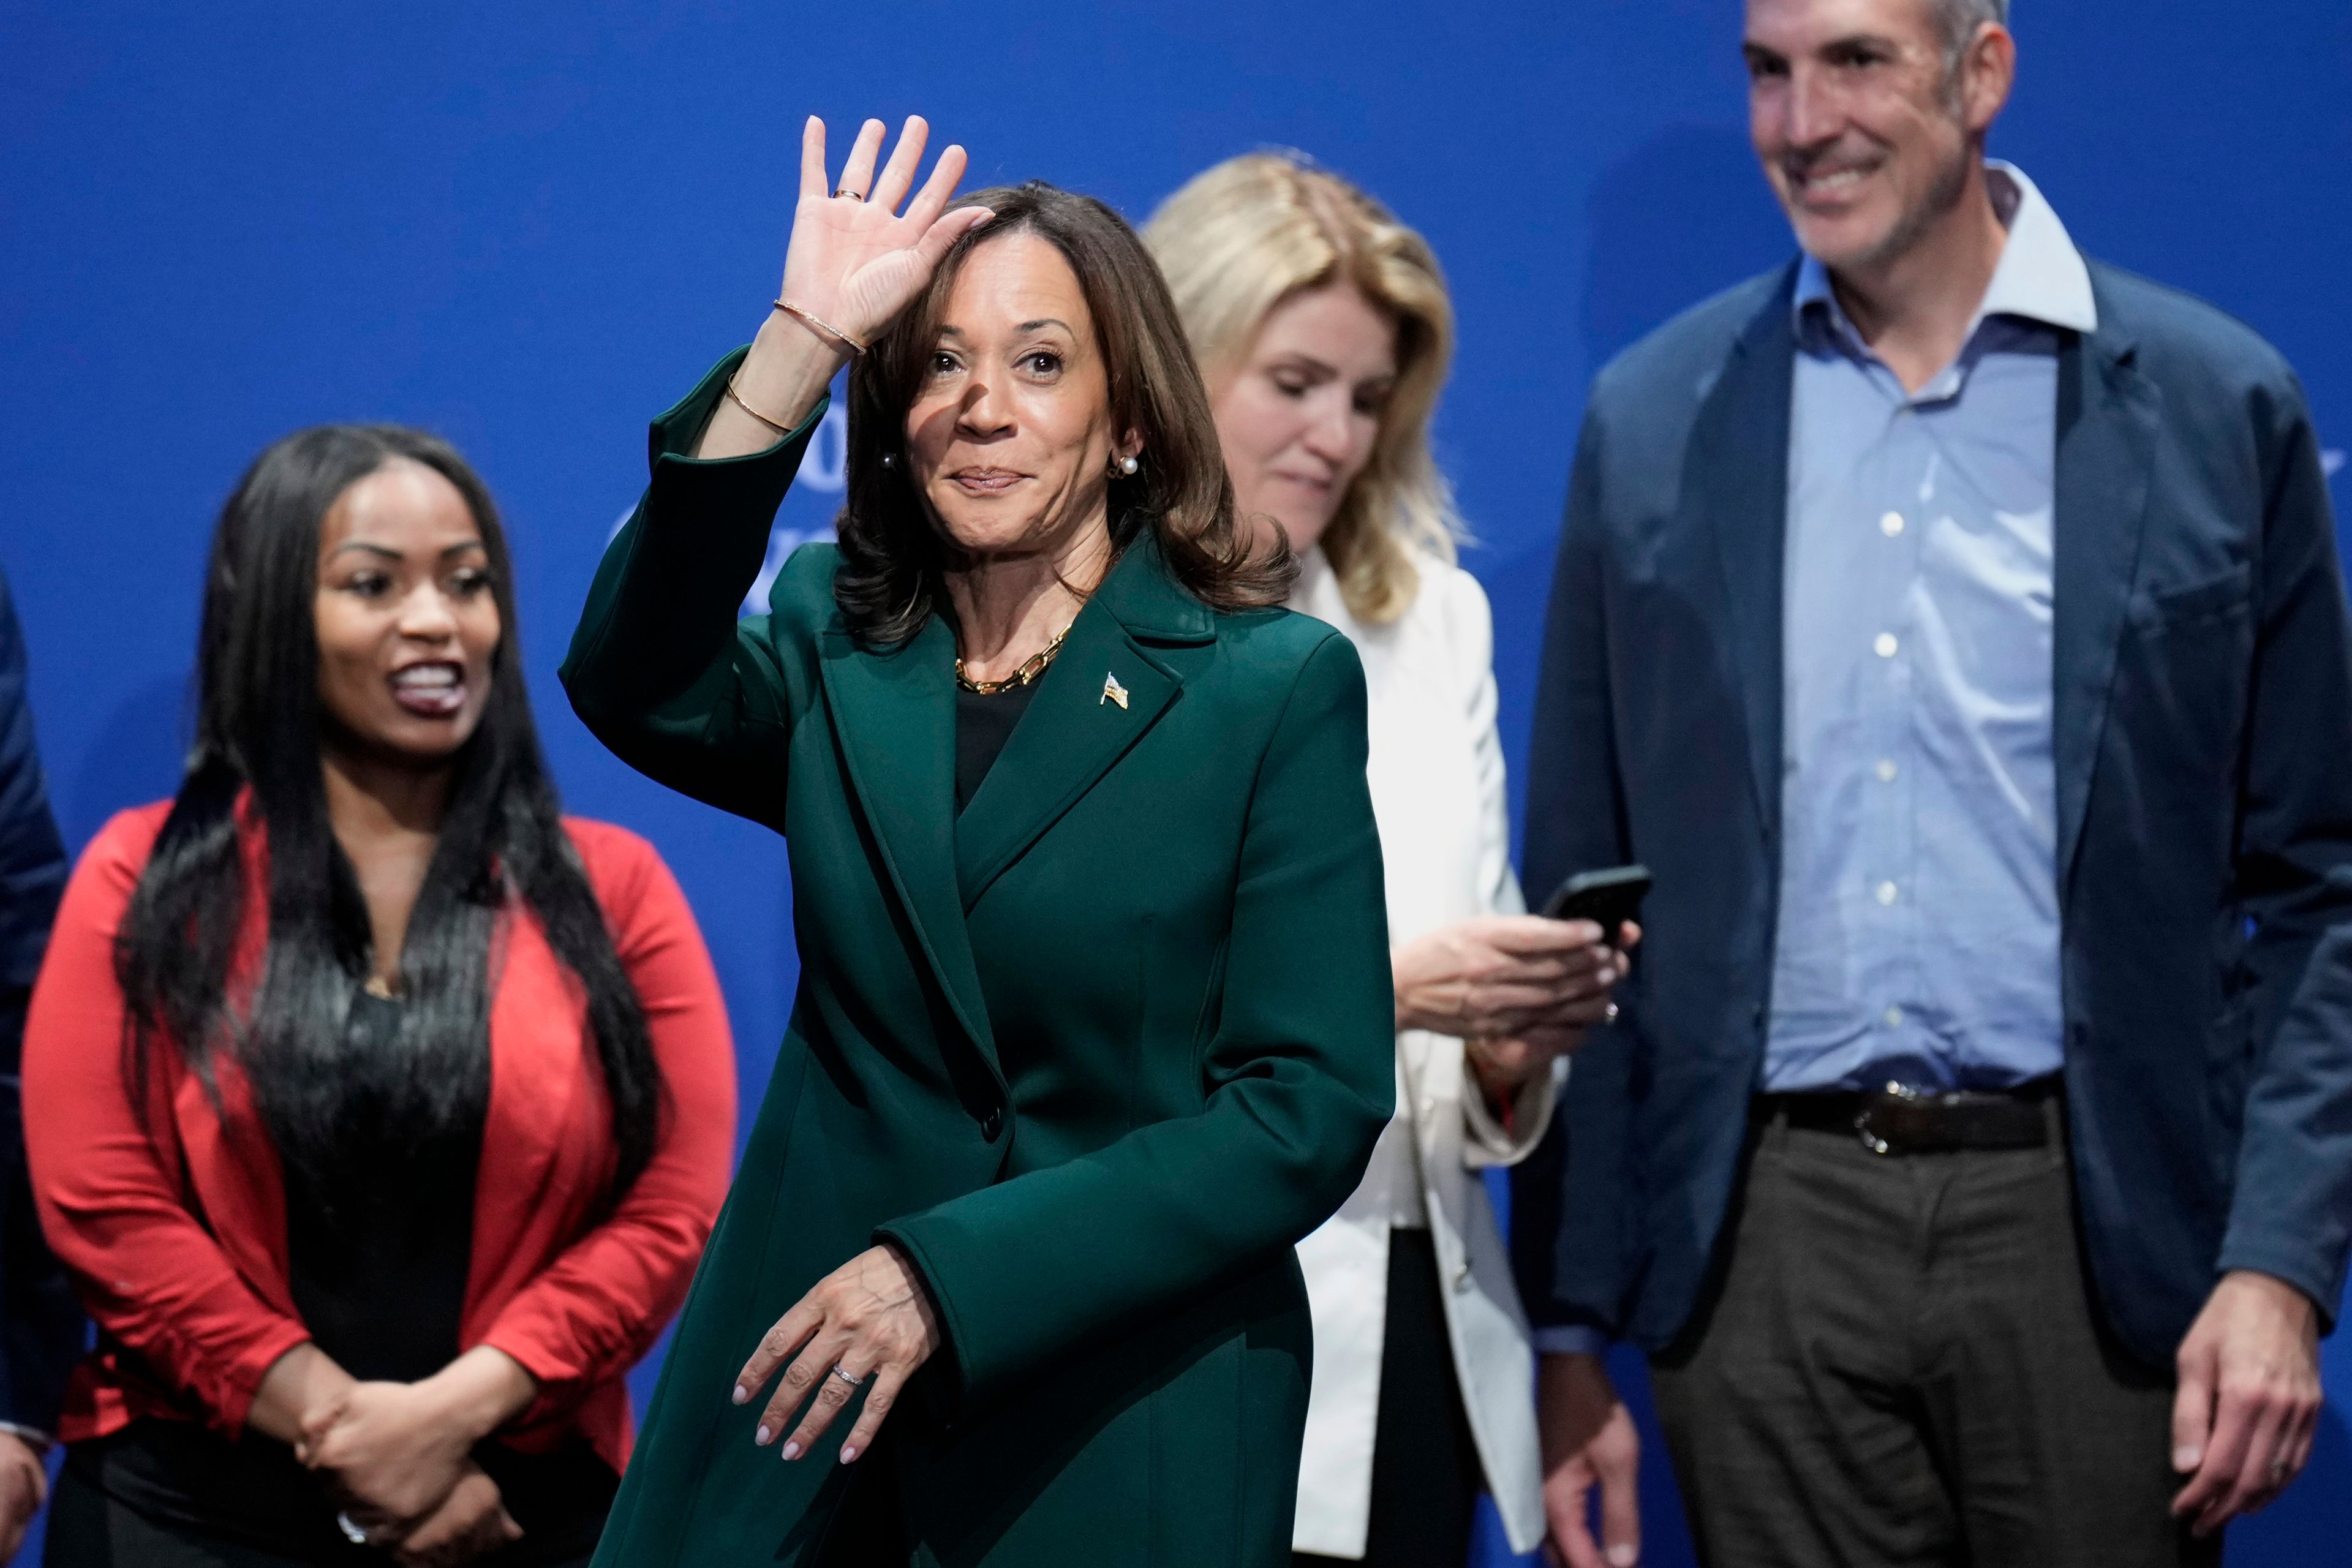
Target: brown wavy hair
894, 551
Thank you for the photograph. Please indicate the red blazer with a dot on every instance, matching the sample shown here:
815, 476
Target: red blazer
172, 1217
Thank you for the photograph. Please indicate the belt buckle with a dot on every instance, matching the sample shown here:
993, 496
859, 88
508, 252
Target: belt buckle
1863, 1130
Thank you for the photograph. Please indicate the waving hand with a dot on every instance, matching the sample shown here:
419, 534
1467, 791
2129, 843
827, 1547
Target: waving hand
855, 261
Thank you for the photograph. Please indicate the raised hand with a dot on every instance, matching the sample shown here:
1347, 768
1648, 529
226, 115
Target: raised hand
855, 261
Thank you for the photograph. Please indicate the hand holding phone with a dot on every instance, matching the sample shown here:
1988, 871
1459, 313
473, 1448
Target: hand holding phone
1610, 899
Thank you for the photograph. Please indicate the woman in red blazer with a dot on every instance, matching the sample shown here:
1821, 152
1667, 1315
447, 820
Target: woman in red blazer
379, 1111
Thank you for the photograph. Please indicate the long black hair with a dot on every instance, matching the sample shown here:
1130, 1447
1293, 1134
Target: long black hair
501, 842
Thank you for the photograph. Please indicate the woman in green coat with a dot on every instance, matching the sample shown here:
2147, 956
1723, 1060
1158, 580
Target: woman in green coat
1094, 1017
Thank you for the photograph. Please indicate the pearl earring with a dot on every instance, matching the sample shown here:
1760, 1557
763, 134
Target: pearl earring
889, 459
1128, 466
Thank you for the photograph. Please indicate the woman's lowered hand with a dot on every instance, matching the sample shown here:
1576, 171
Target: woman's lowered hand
853, 263
866, 1325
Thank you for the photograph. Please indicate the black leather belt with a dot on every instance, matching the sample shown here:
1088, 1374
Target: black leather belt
1898, 1120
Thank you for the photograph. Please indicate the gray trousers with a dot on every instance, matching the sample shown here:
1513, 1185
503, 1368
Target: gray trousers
1900, 1367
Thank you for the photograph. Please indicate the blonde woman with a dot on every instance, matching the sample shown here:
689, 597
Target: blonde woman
1324, 333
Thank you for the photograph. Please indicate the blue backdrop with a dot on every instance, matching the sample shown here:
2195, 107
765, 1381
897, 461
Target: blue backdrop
531, 225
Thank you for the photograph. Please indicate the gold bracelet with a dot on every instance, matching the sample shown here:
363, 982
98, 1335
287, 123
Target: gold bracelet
851, 345
737, 398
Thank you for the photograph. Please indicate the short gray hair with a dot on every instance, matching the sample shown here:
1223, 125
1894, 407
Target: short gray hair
1958, 20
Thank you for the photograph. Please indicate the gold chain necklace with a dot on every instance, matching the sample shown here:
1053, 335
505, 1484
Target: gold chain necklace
1031, 669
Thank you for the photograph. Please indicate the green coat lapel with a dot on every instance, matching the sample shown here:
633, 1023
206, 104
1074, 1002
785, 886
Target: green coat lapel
894, 714
1077, 728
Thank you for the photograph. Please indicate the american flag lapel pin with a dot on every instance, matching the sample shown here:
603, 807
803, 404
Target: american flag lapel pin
1112, 692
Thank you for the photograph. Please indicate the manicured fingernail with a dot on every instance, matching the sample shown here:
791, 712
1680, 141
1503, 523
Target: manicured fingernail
849, 1454
742, 1395
764, 1436
1623, 1556
2186, 1457
792, 1450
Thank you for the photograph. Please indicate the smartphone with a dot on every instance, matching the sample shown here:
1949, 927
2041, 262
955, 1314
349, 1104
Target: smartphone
1608, 899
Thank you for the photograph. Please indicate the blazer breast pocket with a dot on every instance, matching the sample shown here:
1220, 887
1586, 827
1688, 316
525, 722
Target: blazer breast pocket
2181, 680
2225, 597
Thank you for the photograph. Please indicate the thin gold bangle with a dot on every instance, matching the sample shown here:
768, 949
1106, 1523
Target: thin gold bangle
778, 427
830, 330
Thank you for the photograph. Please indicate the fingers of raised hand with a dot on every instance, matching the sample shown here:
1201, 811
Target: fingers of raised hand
897, 175
940, 238
857, 169
933, 199
814, 187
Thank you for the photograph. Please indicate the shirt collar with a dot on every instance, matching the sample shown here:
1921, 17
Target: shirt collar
2040, 277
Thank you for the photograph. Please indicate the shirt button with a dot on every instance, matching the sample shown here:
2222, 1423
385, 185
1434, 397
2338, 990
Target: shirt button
1885, 645
1886, 770
1891, 524
1886, 892
1894, 1018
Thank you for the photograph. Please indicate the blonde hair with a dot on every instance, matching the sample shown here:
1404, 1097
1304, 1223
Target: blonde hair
1240, 239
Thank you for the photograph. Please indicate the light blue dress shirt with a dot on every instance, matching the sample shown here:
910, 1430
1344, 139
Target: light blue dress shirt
1918, 922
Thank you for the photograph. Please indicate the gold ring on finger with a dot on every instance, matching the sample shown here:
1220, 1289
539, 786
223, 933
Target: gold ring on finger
852, 1382
1611, 1015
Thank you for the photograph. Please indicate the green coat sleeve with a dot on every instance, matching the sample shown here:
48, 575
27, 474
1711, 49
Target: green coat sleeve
1301, 1080
661, 670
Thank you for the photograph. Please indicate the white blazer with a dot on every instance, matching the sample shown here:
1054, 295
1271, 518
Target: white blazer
1437, 776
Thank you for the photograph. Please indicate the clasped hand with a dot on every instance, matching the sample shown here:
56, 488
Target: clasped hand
398, 1456
865, 1326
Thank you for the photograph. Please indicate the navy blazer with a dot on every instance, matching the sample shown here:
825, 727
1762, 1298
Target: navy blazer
40, 1322
2203, 739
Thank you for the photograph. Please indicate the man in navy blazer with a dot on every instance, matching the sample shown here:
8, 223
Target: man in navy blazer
1955, 629
40, 1322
